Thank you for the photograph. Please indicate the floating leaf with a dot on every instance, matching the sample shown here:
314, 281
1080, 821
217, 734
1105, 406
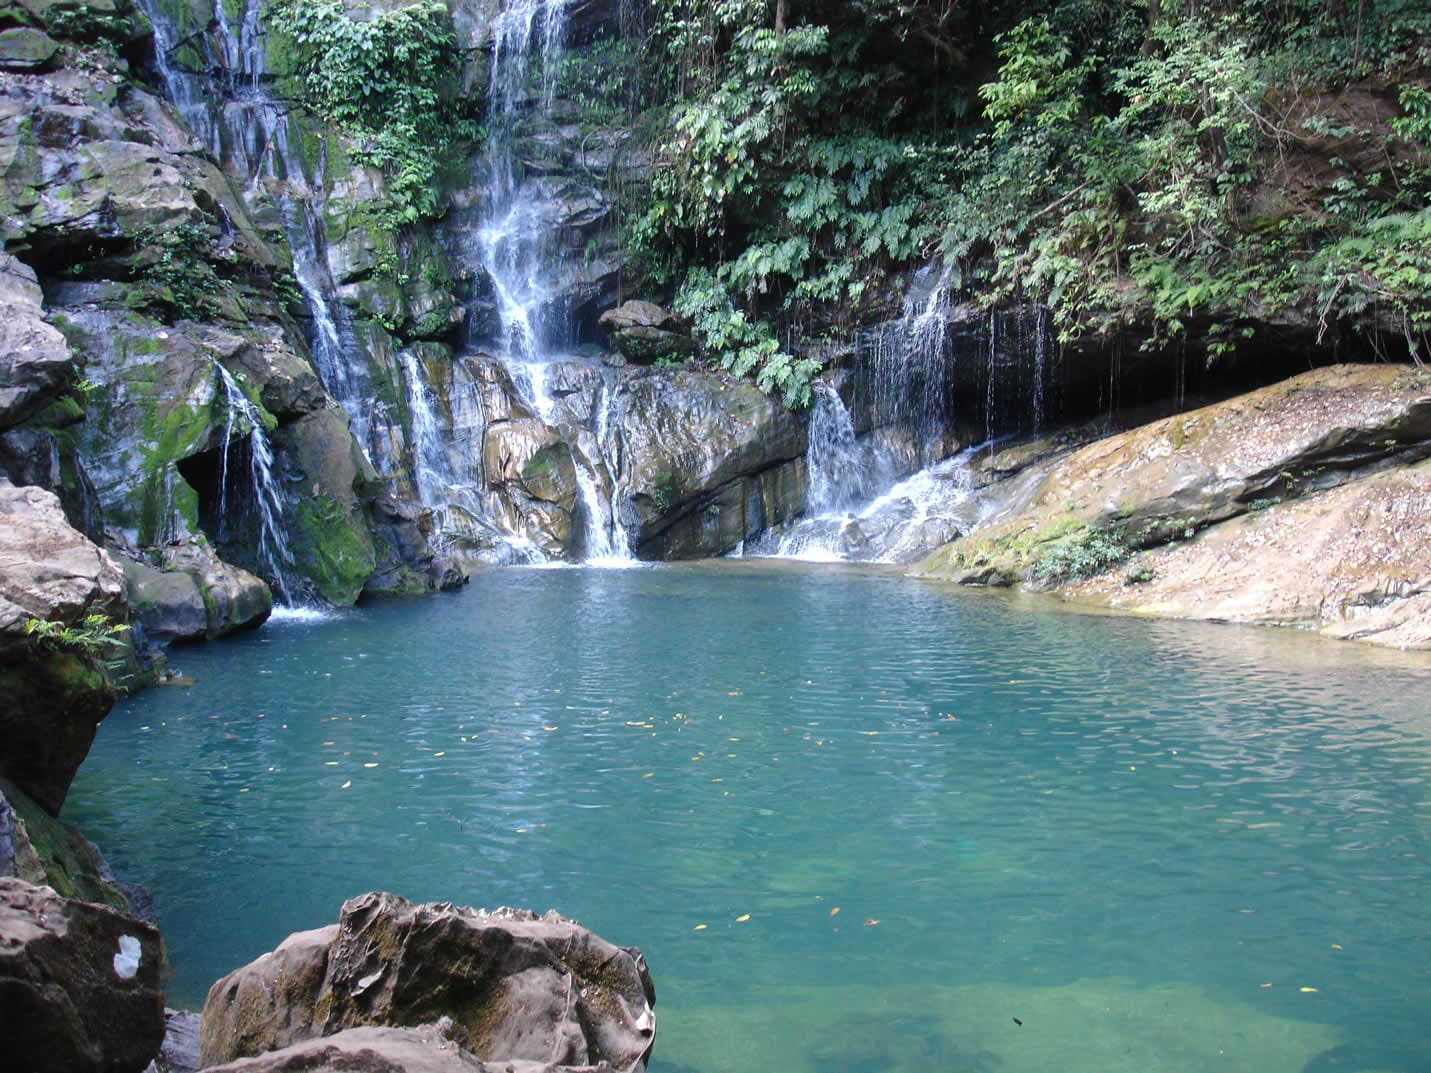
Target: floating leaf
700, 927
648, 774
439, 754
1263, 987
371, 763
1307, 990
871, 922
346, 785
549, 729
834, 910
742, 918
1336, 946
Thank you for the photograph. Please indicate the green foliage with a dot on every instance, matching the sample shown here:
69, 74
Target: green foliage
1081, 554
178, 263
93, 638
385, 81
741, 346
84, 24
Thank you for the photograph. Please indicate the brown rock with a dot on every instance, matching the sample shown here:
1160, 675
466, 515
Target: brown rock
425, 1049
1199, 468
517, 987
1349, 563
79, 985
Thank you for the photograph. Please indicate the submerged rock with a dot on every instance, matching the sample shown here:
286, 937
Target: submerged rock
515, 987
79, 985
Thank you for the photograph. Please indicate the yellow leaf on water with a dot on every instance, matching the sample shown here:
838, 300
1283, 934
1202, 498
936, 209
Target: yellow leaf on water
648, 774
700, 927
371, 763
1307, 990
834, 910
1336, 946
743, 918
439, 754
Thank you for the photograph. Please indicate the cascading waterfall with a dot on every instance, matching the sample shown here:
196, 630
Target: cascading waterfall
249, 134
273, 550
909, 363
513, 245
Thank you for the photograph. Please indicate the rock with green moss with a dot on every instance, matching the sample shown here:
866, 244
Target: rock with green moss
38, 848
188, 594
51, 674
24, 48
329, 536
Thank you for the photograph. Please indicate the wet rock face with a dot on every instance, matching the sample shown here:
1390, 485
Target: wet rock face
53, 700
512, 986
707, 462
79, 985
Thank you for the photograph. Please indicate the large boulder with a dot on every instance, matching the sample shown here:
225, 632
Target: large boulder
1175, 476
189, 594
425, 1049
707, 462
1350, 563
79, 985
643, 332
515, 987
55, 696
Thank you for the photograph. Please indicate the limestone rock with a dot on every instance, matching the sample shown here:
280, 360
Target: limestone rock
190, 594
53, 700
698, 460
516, 987
35, 362
79, 985
1185, 472
1350, 563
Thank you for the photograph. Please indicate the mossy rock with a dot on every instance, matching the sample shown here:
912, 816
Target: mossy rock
45, 850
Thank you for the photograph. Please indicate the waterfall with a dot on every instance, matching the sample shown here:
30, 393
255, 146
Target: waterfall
273, 550
834, 459
909, 362
513, 244
430, 467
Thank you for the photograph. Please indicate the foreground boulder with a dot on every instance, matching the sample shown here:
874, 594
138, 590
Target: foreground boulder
79, 985
513, 987
189, 594
53, 699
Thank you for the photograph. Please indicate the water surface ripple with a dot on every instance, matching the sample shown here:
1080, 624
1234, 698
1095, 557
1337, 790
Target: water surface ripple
970, 835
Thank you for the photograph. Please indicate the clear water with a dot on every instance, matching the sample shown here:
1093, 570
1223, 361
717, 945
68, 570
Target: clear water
971, 834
